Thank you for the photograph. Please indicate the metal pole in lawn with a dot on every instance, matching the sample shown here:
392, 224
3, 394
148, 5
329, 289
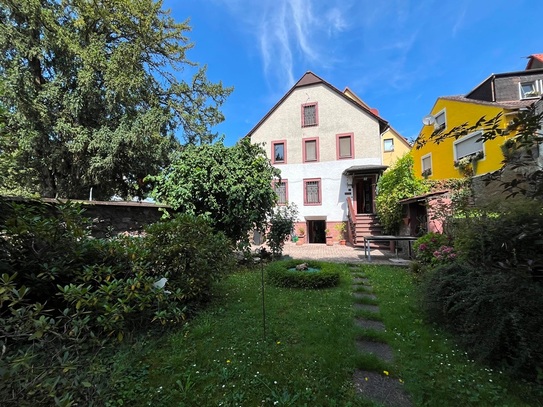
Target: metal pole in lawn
263, 304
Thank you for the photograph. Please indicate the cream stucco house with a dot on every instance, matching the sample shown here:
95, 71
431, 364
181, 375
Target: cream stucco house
328, 147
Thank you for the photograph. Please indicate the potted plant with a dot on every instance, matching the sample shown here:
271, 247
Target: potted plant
340, 227
301, 236
329, 241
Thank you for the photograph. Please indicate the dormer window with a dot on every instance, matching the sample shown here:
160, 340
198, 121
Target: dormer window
310, 115
440, 120
529, 90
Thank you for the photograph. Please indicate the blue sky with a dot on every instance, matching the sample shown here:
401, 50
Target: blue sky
396, 55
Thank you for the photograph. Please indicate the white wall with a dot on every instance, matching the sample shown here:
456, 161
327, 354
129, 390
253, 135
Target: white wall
333, 183
336, 115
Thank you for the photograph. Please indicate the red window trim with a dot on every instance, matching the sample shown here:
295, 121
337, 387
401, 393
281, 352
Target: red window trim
316, 139
273, 143
316, 104
306, 180
342, 135
274, 182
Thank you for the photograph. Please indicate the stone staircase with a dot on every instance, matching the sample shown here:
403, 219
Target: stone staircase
368, 225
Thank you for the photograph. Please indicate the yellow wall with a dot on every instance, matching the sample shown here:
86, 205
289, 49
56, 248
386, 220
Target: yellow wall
401, 146
457, 113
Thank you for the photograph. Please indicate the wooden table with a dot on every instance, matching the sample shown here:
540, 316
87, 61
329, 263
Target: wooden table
386, 238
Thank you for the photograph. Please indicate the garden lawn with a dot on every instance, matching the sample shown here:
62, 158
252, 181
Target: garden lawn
220, 358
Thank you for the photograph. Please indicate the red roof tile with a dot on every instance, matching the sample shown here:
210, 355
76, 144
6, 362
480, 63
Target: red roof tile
532, 58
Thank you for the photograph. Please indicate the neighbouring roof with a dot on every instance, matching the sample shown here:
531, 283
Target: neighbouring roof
423, 197
505, 75
534, 58
308, 79
510, 104
364, 169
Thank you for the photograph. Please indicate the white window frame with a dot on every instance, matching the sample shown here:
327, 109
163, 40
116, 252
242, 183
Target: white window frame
475, 134
385, 145
537, 89
429, 155
436, 124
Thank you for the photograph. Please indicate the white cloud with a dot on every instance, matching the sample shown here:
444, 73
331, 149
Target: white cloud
291, 35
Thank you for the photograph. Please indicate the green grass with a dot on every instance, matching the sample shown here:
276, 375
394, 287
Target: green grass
221, 358
435, 371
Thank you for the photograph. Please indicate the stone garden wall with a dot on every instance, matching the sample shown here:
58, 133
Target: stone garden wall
110, 218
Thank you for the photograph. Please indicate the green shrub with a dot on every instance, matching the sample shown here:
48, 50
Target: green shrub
510, 238
281, 225
281, 274
432, 249
494, 313
64, 295
397, 183
189, 253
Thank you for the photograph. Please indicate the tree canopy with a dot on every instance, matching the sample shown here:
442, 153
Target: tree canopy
93, 95
231, 185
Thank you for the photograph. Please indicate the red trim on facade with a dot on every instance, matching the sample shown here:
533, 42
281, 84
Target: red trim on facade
273, 144
344, 135
317, 152
285, 181
306, 181
316, 104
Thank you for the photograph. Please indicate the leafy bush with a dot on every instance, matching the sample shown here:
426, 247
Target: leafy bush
230, 185
281, 225
397, 183
63, 295
510, 237
281, 274
187, 251
433, 248
494, 313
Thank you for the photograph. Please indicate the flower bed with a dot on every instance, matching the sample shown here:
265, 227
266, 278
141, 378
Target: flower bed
319, 275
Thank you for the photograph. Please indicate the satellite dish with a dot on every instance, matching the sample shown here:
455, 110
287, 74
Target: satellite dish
428, 120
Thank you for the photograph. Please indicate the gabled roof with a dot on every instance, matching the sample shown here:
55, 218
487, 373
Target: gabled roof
400, 137
534, 58
309, 78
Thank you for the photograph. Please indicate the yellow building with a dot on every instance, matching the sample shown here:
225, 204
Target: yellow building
394, 146
504, 93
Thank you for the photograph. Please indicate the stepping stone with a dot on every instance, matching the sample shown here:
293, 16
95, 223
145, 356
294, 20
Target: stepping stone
381, 350
370, 324
361, 280
364, 296
382, 389
367, 307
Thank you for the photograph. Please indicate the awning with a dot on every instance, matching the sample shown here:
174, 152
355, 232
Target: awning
365, 169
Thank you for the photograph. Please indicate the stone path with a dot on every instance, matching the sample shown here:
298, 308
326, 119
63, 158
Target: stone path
379, 387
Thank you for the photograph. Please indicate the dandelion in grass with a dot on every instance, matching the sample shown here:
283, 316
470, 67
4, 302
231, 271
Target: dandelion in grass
385, 372
228, 361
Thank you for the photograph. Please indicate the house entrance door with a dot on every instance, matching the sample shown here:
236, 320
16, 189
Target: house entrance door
316, 232
364, 195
